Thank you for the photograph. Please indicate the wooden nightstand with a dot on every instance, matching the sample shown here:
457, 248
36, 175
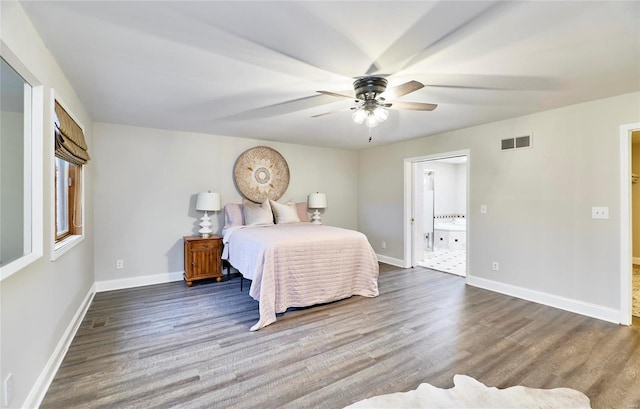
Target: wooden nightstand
202, 258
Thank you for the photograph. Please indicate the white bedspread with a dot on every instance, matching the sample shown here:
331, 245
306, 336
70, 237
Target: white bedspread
301, 264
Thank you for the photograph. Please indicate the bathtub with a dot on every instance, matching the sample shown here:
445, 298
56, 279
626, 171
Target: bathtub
457, 224
450, 234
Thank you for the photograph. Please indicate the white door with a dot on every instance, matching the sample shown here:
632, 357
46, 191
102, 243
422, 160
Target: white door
416, 212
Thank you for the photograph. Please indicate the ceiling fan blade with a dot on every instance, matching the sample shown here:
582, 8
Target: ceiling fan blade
277, 109
229, 18
341, 94
402, 89
414, 106
439, 26
331, 112
465, 87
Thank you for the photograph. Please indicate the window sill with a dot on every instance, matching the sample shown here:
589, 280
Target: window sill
65, 245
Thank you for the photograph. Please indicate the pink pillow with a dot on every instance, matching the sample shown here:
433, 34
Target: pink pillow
302, 211
233, 215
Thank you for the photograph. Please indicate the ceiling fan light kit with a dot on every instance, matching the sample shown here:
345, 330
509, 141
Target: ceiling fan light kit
372, 107
370, 115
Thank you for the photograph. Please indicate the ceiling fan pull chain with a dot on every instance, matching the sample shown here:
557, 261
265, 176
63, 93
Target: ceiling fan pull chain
369, 135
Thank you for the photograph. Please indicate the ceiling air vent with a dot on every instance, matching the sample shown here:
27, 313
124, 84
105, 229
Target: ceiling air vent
516, 143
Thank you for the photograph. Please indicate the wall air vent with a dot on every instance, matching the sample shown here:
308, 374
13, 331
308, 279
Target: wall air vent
516, 143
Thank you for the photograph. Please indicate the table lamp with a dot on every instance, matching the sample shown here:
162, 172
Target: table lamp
317, 201
207, 202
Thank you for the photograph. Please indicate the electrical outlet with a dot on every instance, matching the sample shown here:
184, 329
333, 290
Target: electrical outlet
119, 264
495, 266
599, 212
8, 389
483, 209
384, 244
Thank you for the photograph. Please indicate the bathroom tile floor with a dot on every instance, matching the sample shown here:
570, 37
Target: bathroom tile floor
635, 309
453, 262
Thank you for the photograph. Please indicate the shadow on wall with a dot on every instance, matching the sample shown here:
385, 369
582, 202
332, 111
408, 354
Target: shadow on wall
175, 254
175, 257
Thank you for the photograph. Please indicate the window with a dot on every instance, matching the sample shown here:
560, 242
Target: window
70, 155
68, 209
21, 102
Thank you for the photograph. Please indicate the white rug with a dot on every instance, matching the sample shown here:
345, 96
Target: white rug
469, 393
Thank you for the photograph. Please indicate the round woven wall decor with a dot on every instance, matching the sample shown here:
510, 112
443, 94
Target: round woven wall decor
261, 173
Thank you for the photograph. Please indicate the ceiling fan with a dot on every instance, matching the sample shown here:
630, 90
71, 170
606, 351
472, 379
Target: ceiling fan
373, 99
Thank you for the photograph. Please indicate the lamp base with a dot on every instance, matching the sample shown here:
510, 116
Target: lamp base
205, 224
316, 218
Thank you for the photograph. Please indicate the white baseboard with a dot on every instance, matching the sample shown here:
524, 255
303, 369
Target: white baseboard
138, 281
567, 304
390, 260
39, 389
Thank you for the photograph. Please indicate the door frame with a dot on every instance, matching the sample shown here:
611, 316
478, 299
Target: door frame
626, 238
409, 165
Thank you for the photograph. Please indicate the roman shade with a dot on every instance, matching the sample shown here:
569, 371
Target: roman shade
70, 143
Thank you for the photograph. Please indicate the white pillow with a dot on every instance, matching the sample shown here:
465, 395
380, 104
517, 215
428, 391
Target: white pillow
285, 213
255, 214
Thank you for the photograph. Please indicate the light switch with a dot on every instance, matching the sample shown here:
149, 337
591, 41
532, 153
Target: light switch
483, 208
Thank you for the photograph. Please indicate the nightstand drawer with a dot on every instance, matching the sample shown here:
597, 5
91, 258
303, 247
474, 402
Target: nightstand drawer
205, 245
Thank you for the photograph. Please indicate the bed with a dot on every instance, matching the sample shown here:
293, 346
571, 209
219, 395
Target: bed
299, 264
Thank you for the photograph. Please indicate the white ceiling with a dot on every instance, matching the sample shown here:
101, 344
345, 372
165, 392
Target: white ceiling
251, 69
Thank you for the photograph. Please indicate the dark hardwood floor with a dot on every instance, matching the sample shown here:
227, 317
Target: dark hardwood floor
169, 345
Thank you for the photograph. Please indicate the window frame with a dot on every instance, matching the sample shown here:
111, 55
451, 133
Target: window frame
34, 170
61, 245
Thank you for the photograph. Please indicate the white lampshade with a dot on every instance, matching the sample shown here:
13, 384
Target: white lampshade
381, 113
317, 201
371, 120
208, 201
359, 115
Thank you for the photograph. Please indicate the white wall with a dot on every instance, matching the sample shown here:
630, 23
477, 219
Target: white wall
538, 225
460, 187
147, 179
447, 188
39, 302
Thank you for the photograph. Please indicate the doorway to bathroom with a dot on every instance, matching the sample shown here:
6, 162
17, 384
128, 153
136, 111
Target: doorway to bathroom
629, 215
439, 213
